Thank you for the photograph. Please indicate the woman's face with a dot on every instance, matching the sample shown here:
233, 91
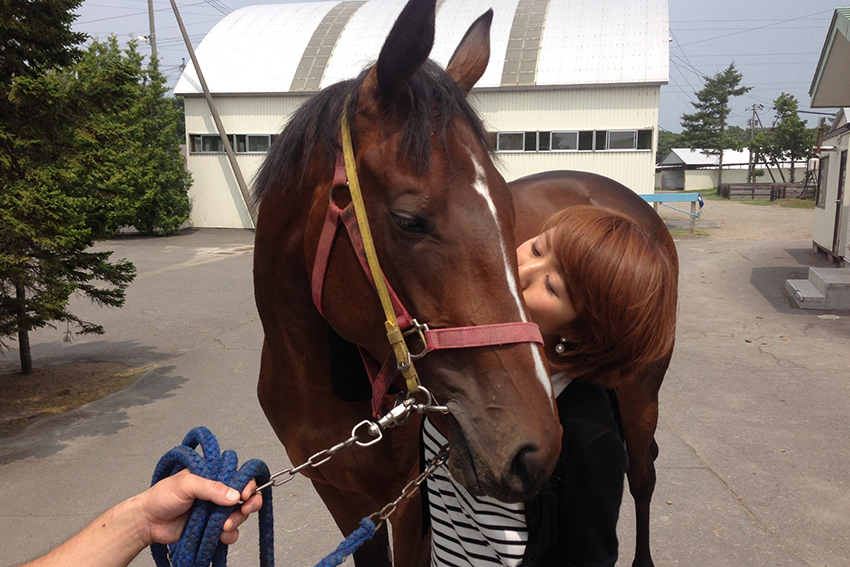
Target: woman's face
542, 285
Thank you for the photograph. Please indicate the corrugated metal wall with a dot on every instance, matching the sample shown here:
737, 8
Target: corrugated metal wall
214, 196
609, 108
216, 201
243, 114
569, 109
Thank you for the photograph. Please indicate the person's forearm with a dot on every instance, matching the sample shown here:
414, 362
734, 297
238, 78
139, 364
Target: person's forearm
112, 540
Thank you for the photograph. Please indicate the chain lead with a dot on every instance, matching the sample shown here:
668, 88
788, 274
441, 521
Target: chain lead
378, 518
364, 434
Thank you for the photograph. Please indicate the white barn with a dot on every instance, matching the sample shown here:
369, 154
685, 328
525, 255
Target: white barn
571, 84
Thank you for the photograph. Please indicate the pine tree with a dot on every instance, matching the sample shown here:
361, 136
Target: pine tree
88, 144
793, 141
58, 197
160, 202
706, 128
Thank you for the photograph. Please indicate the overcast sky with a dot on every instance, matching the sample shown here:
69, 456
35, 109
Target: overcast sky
775, 44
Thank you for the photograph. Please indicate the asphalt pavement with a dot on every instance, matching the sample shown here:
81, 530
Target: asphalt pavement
754, 431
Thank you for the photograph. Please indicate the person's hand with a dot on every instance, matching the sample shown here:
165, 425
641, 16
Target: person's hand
164, 508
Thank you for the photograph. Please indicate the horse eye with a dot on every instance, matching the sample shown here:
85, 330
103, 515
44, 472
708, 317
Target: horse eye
412, 224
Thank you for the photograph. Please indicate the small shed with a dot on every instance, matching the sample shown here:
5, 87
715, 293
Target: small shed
831, 89
829, 288
685, 169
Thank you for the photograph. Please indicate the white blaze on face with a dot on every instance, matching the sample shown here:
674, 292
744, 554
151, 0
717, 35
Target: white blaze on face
480, 186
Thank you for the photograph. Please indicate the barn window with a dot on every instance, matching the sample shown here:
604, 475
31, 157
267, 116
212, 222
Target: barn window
600, 137
564, 141
202, 143
573, 140
510, 141
622, 139
258, 143
242, 143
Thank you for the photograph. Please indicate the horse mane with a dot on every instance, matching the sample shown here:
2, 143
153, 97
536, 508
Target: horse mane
433, 100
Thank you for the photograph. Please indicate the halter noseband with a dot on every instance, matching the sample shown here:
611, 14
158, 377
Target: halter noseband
399, 324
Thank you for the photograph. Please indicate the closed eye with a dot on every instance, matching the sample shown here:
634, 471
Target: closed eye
534, 249
411, 224
550, 287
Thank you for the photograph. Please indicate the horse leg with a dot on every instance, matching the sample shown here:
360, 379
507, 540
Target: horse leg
347, 510
638, 401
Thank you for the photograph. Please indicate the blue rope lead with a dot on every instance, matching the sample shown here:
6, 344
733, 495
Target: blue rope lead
357, 538
199, 544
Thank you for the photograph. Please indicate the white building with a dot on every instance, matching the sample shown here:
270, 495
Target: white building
571, 84
829, 288
831, 89
684, 169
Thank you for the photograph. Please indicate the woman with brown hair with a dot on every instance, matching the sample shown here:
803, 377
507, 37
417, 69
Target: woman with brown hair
600, 290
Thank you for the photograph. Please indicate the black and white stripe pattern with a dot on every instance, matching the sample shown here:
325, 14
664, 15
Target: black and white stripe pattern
469, 531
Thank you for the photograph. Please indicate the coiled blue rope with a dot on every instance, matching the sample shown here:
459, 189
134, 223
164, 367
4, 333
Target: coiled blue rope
199, 545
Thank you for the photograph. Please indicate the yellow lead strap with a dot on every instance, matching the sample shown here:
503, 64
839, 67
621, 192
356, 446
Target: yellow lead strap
394, 334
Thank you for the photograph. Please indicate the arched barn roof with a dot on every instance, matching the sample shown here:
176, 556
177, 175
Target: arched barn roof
304, 47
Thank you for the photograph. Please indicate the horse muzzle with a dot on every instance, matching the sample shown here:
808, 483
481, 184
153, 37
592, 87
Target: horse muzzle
476, 463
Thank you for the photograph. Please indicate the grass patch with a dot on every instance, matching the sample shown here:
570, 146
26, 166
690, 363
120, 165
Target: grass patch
791, 203
686, 233
54, 390
797, 203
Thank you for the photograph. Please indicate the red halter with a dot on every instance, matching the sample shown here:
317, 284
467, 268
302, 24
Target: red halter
430, 339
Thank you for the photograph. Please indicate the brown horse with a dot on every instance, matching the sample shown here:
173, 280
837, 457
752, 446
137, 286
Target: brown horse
442, 218
536, 198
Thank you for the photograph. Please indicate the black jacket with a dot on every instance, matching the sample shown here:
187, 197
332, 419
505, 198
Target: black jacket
572, 521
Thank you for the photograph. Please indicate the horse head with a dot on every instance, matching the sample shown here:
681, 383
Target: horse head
442, 220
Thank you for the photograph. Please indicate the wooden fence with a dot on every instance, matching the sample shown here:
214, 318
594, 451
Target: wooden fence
760, 191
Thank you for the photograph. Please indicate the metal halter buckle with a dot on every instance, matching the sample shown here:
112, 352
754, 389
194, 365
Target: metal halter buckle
419, 330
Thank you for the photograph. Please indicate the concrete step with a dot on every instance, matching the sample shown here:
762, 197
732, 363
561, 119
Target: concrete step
805, 294
826, 278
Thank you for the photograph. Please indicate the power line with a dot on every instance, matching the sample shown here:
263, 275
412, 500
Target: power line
757, 27
687, 60
134, 14
219, 6
815, 54
817, 27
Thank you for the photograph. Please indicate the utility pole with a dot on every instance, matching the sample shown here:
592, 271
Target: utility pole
152, 35
751, 163
775, 163
228, 148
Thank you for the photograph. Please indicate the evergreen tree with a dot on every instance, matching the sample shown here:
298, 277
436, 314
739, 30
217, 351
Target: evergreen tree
57, 199
787, 138
706, 128
88, 144
793, 141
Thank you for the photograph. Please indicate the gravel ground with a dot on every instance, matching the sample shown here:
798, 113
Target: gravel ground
740, 220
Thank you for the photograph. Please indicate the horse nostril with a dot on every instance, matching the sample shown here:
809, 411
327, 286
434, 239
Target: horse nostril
528, 471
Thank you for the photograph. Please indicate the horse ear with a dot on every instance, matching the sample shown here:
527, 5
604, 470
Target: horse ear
407, 47
470, 59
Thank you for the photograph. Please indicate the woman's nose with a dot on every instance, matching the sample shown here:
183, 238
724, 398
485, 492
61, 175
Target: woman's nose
526, 273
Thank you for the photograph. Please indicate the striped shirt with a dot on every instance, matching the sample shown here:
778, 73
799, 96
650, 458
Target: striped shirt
469, 531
